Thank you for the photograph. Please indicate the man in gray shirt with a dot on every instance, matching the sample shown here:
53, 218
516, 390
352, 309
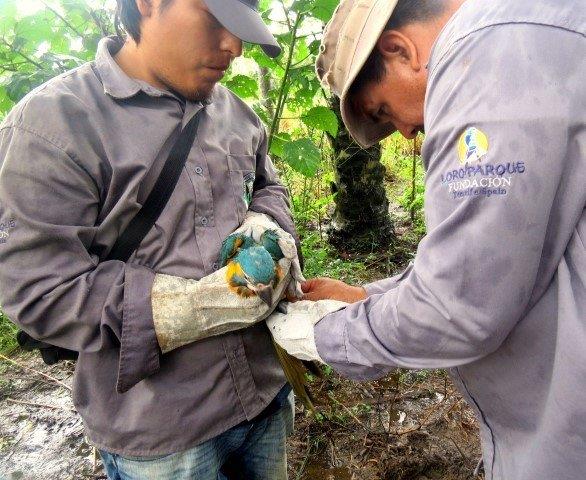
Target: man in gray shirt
78, 157
497, 290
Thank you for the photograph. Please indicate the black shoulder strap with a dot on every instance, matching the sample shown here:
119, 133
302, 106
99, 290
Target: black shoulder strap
144, 220
136, 230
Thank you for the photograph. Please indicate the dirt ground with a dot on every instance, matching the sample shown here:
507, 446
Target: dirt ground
410, 426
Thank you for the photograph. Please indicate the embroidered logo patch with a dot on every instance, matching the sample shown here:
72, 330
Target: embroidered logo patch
5, 228
248, 188
472, 146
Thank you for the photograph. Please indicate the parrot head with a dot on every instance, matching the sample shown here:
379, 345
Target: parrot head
232, 245
270, 240
252, 271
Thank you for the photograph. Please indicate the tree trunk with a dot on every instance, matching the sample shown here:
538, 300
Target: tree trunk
361, 221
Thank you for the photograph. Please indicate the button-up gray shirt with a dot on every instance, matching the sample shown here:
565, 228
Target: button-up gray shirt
498, 287
78, 157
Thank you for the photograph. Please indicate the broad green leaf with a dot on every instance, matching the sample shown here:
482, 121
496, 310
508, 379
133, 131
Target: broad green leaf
323, 119
243, 86
303, 156
324, 9
278, 143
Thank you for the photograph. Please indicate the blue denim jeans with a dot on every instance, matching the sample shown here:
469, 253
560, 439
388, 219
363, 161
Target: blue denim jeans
252, 450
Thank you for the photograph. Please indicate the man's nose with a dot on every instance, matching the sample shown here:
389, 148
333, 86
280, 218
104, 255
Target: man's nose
408, 131
231, 43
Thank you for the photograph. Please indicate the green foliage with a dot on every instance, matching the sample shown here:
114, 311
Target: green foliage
321, 260
303, 156
7, 334
37, 46
398, 159
323, 119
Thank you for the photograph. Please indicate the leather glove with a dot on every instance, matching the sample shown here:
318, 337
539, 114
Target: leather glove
292, 326
186, 310
254, 225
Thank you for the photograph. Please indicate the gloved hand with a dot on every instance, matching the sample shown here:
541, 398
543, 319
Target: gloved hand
292, 326
255, 226
186, 310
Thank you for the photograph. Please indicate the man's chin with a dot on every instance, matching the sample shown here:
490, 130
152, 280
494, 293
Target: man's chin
199, 94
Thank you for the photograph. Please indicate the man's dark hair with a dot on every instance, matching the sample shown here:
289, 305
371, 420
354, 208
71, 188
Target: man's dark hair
406, 12
128, 18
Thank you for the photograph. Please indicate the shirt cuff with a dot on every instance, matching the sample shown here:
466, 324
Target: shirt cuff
139, 349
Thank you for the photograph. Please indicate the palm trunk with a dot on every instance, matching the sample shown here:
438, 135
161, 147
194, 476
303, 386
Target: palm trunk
361, 221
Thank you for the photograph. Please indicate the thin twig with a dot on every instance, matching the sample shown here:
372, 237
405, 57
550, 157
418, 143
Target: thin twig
97, 21
40, 405
465, 457
62, 18
283, 90
305, 459
27, 58
349, 412
56, 380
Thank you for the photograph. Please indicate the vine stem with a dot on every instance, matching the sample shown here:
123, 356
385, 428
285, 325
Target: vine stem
62, 18
283, 90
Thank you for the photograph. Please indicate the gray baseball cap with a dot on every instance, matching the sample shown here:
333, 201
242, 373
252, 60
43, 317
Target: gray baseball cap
241, 18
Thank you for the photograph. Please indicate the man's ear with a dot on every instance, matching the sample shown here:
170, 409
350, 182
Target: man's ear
145, 7
396, 47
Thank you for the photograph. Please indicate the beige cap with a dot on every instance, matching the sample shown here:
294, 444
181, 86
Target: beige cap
348, 40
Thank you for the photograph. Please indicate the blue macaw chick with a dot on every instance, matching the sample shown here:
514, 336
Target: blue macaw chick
232, 245
252, 268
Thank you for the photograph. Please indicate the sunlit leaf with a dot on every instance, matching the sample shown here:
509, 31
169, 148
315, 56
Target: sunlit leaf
323, 119
303, 156
243, 86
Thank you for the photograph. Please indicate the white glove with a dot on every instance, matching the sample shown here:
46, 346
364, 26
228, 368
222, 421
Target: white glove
186, 310
254, 225
292, 326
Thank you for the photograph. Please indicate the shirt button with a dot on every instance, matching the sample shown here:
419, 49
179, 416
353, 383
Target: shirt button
215, 266
204, 221
199, 170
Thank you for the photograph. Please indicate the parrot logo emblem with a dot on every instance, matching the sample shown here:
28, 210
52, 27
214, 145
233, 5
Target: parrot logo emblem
253, 268
472, 146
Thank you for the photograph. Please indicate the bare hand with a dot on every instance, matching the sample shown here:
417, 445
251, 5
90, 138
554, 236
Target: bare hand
330, 289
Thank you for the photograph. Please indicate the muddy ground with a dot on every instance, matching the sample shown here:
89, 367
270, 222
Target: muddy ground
412, 425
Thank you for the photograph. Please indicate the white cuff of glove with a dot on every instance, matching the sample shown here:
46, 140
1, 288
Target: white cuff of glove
292, 326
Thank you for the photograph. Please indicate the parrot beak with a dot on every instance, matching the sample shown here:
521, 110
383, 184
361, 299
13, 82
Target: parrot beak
265, 293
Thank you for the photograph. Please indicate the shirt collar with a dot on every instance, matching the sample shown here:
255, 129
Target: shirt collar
116, 83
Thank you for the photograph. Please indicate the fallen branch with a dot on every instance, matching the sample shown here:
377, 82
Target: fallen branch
55, 380
39, 405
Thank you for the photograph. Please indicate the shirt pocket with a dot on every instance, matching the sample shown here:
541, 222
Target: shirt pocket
242, 175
